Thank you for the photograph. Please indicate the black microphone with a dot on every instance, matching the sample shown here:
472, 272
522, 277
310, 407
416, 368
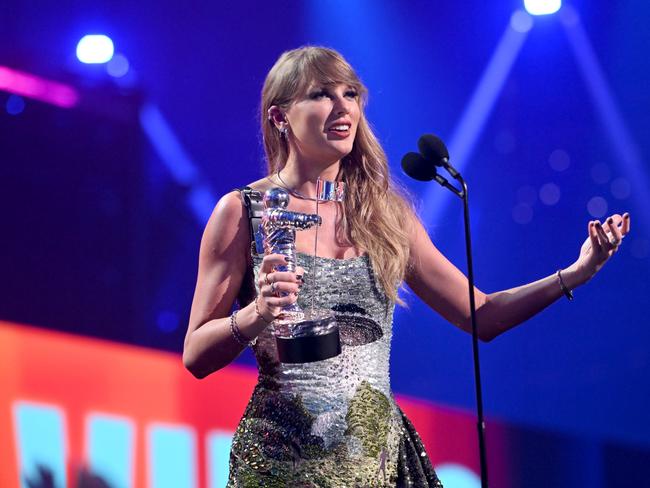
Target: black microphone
435, 151
421, 169
418, 168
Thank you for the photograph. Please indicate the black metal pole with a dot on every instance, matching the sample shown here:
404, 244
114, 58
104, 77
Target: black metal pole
441, 180
472, 309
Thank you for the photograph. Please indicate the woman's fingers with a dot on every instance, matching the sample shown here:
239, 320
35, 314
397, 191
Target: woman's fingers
279, 277
300, 273
615, 219
593, 235
287, 276
278, 302
272, 305
602, 236
608, 241
278, 288
277, 296
267, 274
270, 261
614, 232
625, 228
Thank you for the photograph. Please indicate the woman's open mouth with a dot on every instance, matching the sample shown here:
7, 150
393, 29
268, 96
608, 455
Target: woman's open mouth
341, 130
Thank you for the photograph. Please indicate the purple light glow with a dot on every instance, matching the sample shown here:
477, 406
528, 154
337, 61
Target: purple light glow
30, 86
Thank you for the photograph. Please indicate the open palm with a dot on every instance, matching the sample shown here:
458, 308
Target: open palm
601, 243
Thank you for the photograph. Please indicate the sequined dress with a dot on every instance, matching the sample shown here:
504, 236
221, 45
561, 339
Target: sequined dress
331, 423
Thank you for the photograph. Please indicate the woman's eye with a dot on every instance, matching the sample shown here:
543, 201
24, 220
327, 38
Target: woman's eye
318, 94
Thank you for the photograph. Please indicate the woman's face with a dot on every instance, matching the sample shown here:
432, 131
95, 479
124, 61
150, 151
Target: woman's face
323, 123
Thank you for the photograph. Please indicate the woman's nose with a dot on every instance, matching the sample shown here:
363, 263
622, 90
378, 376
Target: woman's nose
342, 105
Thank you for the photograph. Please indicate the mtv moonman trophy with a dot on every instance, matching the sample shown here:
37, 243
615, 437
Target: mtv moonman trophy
302, 336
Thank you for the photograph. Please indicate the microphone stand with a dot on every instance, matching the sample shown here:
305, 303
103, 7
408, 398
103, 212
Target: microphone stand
472, 308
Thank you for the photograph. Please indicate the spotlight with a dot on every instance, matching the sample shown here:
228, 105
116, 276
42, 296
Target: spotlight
95, 49
542, 7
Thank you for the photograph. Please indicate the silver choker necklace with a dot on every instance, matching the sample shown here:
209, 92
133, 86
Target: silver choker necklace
326, 190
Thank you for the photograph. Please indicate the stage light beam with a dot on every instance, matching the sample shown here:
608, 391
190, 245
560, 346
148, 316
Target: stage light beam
479, 107
95, 49
542, 7
624, 148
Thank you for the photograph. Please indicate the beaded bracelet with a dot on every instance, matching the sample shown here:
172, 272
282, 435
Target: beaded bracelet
567, 293
236, 333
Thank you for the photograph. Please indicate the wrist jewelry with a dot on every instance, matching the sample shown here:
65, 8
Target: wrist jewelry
236, 333
259, 314
567, 293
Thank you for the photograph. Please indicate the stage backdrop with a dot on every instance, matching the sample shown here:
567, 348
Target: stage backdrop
76, 409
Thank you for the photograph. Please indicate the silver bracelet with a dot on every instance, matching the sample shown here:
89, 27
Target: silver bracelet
236, 333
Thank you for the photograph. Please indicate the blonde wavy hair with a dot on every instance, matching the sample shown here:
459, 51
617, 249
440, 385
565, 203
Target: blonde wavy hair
374, 207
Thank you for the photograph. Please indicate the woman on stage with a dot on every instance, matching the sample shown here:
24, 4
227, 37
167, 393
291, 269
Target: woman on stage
334, 423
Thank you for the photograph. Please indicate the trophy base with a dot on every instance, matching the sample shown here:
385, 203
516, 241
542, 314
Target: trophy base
314, 338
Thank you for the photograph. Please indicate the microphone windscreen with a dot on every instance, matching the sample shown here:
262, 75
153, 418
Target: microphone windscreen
415, 166
433, 149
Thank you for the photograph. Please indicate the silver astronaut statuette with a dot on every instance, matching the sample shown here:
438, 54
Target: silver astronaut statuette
302, 336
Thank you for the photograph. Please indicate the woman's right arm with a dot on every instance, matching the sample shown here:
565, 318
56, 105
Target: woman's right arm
223, 260
222, 265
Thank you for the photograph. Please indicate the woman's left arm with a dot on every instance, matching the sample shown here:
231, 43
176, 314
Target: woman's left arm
444, 288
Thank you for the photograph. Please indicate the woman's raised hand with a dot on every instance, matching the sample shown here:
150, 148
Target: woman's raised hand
277, 288
603, 241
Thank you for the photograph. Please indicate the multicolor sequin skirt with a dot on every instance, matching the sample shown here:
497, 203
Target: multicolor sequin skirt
279, 443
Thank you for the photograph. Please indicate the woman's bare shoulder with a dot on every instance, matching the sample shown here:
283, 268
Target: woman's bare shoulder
228, 228
230, 209
228, 221
231, 205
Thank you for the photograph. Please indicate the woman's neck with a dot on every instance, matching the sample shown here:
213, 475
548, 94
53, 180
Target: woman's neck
302, 176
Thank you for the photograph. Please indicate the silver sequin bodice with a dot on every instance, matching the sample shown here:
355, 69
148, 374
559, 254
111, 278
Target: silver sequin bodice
348, 288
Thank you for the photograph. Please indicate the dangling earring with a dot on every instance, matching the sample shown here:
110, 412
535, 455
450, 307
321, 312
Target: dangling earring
284, 131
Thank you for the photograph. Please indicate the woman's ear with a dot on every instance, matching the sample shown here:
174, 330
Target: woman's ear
277, 116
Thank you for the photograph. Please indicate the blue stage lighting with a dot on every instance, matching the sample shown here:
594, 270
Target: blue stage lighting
167, 321
457, 475
118, 67
521, 21
95, 49
542, 7
15, 105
